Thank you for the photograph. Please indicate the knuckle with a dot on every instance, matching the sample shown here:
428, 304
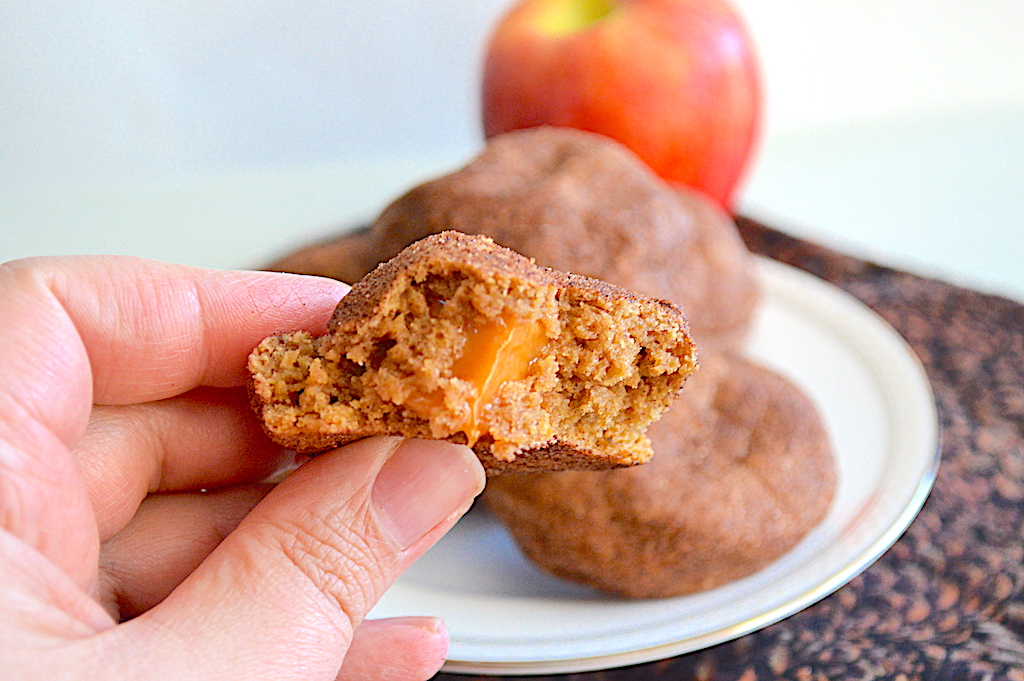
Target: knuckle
338, 558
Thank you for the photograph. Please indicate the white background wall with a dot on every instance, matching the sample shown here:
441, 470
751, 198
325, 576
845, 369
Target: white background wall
848, 60
108, 88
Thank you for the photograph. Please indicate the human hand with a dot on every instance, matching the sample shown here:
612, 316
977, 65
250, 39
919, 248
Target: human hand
136, 539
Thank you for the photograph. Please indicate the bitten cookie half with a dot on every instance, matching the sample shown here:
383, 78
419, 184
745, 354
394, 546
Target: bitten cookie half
458, 338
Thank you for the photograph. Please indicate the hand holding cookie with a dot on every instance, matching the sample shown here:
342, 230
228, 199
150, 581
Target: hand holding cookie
137, 537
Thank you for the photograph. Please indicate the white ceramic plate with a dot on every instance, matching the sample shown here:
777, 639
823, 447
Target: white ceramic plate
506, 617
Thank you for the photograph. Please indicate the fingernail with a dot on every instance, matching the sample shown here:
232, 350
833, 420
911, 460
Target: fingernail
423, 483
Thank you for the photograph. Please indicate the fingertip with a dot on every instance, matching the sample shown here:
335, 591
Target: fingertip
332, 290
306, 301
427, 649
422, 484
396, 649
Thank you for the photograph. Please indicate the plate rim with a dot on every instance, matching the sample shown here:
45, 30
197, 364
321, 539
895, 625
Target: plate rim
809, 291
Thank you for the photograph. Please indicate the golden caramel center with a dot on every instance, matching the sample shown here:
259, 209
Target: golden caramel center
496, 352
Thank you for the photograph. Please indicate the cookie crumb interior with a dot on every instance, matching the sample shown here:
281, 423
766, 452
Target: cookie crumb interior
484, 358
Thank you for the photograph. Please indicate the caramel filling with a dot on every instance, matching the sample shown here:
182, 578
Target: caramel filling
496, 352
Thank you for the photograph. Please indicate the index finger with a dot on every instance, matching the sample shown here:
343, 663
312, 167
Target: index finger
121, 330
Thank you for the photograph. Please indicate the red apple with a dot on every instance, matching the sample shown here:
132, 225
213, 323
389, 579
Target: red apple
676, 81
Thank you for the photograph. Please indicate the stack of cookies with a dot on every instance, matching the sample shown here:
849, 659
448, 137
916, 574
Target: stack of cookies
554, 378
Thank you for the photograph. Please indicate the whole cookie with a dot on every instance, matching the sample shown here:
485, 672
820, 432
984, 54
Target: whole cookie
742, 471
576, 202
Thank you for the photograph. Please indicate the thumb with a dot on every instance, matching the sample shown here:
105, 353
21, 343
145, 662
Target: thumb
282, 595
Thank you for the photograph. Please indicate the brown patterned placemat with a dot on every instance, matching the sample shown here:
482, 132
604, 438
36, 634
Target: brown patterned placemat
947, 601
